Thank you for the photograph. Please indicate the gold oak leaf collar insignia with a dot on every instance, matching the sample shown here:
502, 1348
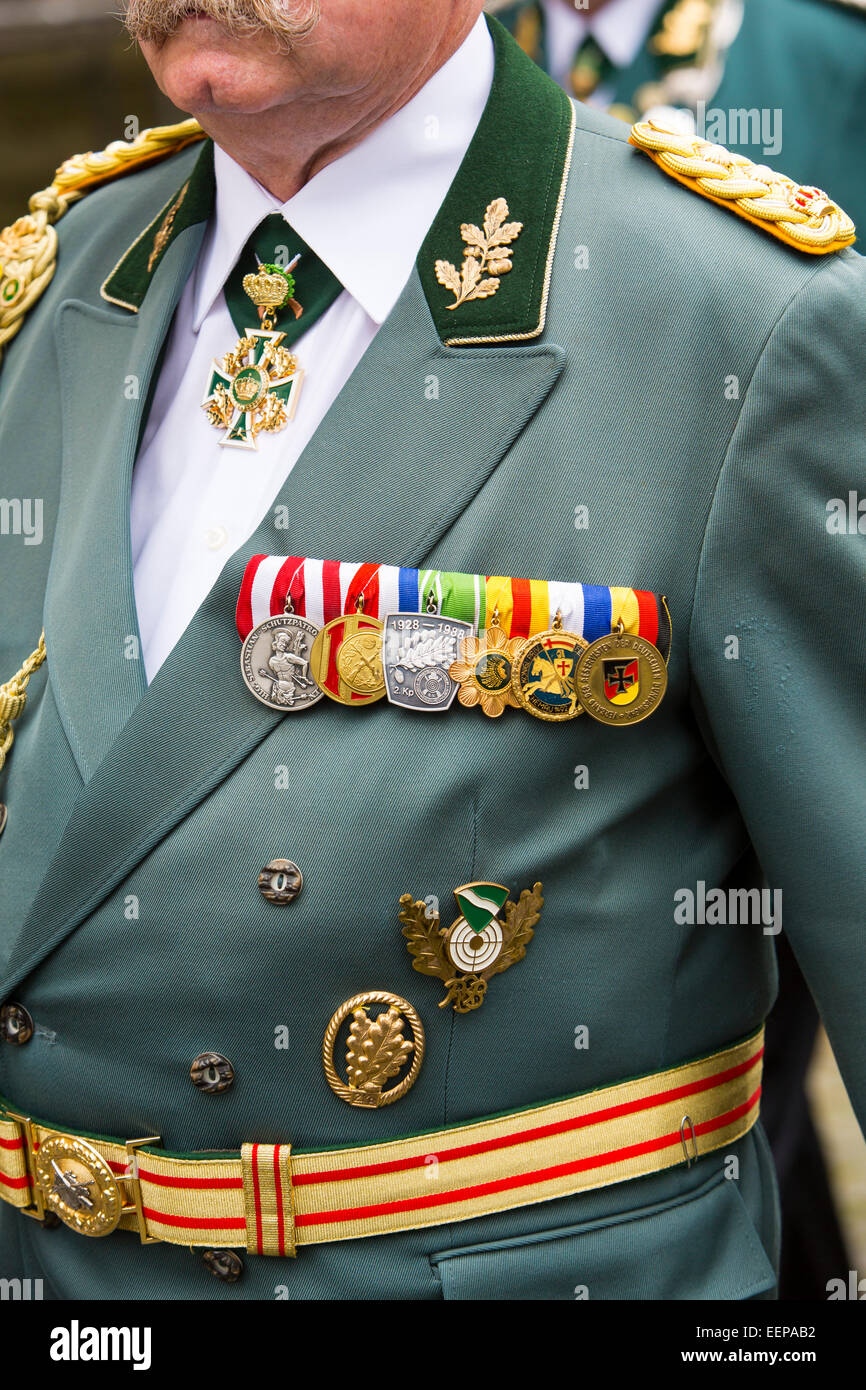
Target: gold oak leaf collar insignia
466, 955
488, 256
163, 236
521, 149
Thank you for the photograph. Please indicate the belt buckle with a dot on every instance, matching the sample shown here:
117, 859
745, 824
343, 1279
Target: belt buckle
70, 1178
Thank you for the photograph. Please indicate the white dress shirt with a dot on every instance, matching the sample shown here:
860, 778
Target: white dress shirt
619, 30
194, 501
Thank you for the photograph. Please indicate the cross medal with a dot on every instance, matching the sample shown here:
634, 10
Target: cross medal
255, 387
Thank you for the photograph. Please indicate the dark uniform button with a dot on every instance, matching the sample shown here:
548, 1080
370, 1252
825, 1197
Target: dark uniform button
225, 1264
280, 881
16, 1025
212, 1073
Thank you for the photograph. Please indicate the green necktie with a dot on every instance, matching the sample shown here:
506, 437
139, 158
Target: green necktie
253, 388
590, 68
274, 242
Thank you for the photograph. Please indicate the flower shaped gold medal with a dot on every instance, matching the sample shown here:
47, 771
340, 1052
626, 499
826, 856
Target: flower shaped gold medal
484, 667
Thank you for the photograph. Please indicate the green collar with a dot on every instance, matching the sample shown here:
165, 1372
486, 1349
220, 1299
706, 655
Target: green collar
130, 280
521, 154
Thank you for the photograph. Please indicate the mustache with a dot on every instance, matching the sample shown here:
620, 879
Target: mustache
287, 21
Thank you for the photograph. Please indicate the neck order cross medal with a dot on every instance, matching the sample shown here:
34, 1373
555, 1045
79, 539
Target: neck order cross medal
255, 387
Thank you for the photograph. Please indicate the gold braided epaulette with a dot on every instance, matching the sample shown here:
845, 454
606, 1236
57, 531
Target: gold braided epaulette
13, 698
28, 249
800, 215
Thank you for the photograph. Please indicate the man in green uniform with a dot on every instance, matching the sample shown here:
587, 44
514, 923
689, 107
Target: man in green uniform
782, 81
225, 895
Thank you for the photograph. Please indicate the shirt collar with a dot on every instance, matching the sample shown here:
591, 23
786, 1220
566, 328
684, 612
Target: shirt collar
368, 212
619, 29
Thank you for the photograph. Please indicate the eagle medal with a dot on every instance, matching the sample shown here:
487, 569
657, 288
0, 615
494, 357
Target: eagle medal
491, 934
621, 678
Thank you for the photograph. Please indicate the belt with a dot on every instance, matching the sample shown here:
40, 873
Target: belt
270, 1199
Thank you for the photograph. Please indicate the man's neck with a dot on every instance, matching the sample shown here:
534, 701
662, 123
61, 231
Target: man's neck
285, 147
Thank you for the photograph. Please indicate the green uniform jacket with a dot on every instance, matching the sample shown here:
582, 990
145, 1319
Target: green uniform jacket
694, 384
788, 56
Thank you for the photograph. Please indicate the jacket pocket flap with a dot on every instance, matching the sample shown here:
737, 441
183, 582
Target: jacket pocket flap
700, 1246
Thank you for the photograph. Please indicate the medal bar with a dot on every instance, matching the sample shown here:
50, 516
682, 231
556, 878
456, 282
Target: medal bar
358, 634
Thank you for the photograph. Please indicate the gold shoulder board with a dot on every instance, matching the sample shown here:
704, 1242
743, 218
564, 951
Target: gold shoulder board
28, 249
800, 215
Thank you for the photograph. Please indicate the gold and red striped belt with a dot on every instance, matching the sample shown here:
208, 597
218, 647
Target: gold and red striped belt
270, 1199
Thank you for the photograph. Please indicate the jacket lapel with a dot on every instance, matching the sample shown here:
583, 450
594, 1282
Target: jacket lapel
407, 444
106, 361
107, 357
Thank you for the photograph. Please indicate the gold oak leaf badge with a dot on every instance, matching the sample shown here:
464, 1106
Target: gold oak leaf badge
376, 1050
477, 946
487, 256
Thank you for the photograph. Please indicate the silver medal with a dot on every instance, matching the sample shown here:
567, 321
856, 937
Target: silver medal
417, 649
275, 663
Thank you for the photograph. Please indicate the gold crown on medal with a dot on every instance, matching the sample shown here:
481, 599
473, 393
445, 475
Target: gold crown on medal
267, 289
248, 389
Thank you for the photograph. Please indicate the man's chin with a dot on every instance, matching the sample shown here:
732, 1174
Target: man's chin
201, 68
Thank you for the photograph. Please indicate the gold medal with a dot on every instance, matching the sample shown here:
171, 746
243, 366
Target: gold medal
621, 678
359, 662
327, 668
483, 669
377, 1049
543, 679
254, 388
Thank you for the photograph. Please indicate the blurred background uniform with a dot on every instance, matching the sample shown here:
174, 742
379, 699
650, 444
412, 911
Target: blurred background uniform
71, 81
628, 56
790, 77
805, 59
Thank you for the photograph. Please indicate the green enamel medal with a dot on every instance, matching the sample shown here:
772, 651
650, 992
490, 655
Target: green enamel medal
255, 387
